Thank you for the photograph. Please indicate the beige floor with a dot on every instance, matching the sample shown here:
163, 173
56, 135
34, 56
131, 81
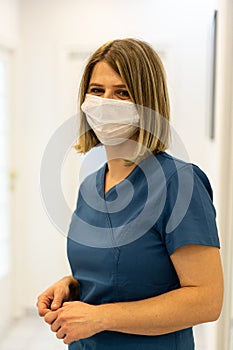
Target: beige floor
30, 333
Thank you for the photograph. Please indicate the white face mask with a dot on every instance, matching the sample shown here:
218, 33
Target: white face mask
113, 121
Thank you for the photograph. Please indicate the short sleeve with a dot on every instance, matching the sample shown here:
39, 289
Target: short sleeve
189, 216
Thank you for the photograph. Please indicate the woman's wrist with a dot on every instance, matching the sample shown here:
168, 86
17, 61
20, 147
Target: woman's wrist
106, 316
70, 280
72, 283
74, 289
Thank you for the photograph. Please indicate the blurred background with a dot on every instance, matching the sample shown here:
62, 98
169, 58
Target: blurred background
43, 49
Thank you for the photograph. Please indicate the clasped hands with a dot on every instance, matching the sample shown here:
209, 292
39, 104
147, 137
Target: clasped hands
68, 317
74, 320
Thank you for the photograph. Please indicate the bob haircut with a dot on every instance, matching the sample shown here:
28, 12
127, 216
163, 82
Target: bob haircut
141, 69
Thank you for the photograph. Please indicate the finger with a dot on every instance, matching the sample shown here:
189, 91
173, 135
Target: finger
43, 312
50, 317
55, 326
60, 334
58, 299
67, 340
42, 308
67, 303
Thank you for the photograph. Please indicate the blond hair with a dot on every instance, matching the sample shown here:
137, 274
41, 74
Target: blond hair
141, 69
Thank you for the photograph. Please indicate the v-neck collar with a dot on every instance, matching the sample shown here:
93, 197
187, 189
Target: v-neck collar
100, 181
100, 177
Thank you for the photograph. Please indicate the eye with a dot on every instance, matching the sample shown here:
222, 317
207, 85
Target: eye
123, 93
96, 91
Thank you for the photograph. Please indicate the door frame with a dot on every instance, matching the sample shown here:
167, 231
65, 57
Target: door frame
224, 133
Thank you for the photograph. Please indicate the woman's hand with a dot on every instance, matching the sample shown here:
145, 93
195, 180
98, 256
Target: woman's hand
53, 297
75, 320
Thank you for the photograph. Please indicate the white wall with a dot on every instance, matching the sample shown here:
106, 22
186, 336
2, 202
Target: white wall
9, 40
50, 29
9, 22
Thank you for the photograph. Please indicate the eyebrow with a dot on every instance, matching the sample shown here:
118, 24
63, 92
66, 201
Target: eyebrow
100, 85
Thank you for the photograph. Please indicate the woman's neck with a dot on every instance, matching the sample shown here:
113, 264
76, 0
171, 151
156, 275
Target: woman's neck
117, 170
116, 157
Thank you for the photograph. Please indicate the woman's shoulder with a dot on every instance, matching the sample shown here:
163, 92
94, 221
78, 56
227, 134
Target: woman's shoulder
174, 168
172, 164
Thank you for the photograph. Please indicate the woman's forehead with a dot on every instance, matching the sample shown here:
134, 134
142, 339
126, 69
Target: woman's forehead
103, 73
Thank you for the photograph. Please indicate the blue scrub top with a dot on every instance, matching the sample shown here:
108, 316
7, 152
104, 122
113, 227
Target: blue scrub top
119, 243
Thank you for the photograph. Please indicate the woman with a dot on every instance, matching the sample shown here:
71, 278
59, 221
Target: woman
142, 244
